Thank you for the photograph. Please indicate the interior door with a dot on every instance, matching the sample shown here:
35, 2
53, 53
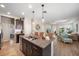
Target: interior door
6, 28
6, 31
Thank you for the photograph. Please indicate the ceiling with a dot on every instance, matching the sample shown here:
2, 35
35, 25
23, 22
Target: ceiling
55, 11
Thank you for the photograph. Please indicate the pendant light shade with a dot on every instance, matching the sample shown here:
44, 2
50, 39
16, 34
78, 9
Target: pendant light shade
43, 19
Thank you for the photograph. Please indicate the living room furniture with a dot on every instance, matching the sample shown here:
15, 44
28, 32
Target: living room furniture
39, 34
50, 34
74, 36
42, 35
64, 37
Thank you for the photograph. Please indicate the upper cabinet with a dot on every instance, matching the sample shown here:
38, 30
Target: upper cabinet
19, 24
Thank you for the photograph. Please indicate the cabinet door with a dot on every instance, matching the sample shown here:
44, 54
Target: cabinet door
24, 47
36, 51
28, 48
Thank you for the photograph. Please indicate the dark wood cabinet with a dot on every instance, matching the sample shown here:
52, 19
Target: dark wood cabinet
36, 51
30, 49
17, 37
26, 48
20, 24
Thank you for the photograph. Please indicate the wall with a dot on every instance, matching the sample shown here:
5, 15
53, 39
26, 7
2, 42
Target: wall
43, 26
40, 24
0, 24
48, 26
30, 27
66, 24
27, 26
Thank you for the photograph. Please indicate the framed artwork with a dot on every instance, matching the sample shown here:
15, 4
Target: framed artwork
37, 27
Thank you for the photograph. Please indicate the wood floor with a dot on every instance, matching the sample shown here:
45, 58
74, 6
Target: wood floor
10, 48
63, 49
59, 49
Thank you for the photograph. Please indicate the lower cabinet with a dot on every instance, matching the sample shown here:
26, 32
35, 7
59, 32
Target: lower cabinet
24, 47
30, 50
36, 51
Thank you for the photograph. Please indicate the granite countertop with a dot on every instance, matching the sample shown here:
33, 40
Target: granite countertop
39, 42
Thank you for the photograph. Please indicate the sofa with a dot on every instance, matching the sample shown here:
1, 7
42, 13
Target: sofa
64, 38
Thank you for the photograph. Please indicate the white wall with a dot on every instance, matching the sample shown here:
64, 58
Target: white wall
72, 21
30, 27
48, 26
34, 26
27, 26
43, 26
0, 24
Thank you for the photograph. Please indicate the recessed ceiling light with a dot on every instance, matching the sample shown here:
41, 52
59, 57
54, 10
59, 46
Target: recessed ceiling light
8, 13
22, 13
30, 6
2, 6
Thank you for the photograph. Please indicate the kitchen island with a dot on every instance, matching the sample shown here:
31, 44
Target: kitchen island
17, 36
35, 47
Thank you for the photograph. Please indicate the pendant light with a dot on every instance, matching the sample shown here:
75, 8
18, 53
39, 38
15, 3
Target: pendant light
32, 21
43, 19
33, 12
